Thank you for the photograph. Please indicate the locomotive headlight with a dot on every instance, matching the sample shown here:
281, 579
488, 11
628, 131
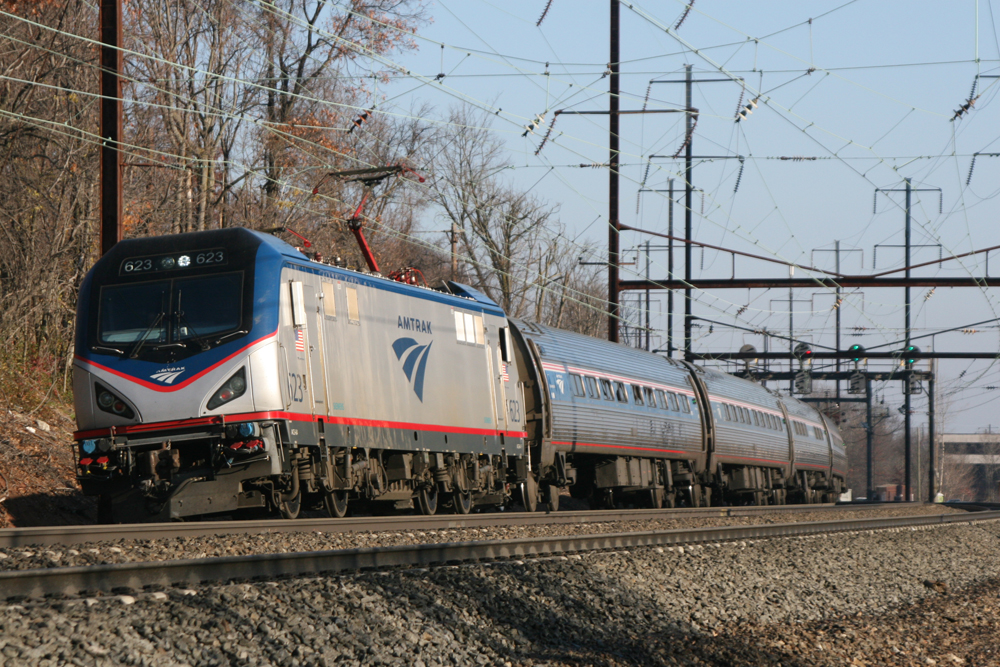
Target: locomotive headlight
238, 384
233, 388
167, 262
108, 401
88, 446
183, 261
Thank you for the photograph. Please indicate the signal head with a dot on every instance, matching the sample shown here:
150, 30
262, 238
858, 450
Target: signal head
857, 352
909, 353
802, 351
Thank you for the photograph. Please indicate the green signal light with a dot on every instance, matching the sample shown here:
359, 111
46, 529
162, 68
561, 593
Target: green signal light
857, 352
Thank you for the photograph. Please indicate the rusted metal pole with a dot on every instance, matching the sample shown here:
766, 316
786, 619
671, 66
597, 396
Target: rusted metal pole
111, 123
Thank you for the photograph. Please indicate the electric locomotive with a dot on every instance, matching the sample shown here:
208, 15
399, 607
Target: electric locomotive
224, 371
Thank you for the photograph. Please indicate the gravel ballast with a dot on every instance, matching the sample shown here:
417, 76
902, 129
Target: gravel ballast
894, 597
123, 551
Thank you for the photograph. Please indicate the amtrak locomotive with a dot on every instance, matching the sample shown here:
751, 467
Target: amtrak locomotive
224, 370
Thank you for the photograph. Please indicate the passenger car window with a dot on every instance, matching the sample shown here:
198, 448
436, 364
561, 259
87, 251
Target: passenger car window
661, 400
650, 397
606, 390
577, 385
637, 394
620, 392
592, 389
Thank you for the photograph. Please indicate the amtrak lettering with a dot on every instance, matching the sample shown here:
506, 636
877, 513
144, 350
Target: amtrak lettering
413, 324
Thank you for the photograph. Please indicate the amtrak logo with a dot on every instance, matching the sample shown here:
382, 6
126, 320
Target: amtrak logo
168, 375
414, 363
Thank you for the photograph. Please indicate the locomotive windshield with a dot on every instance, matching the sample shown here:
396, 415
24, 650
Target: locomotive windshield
169, 319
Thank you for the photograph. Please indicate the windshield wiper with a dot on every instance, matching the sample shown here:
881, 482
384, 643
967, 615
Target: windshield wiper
241, 332
101, 348
200, 340
145, 335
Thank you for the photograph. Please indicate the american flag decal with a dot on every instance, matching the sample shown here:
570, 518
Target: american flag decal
503, 372
300, 341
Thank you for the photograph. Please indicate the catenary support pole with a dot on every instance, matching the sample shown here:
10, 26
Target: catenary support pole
869, 430
670, 268
906, 395
931, 490
613, 230
688, 207
111, 123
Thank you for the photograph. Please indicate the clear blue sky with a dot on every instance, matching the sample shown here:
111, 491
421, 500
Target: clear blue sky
886, 77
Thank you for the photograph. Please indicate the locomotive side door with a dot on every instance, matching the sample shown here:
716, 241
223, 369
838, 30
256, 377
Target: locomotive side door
296, 336
314, 347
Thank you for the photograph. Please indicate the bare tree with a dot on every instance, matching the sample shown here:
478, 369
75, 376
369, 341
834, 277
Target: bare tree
502, 230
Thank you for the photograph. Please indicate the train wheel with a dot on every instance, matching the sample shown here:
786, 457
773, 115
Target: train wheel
291, 507
462, 501
529, 493
336, 504
552, 497
427, 500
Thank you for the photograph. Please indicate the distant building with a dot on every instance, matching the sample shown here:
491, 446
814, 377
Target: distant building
971, 466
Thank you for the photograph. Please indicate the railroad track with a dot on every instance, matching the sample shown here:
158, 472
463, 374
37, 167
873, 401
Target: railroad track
66, 535
121, 577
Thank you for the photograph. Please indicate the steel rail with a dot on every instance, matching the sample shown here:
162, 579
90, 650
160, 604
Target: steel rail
118, 577
66, 535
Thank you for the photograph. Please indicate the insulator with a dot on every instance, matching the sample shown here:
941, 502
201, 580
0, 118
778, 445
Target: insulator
687, 139
544, 12
742, 310
975, 82
972, 165
538, 121
929, 294
687, 10
739, 177
649, 89
739, 104
546, 137
360, 120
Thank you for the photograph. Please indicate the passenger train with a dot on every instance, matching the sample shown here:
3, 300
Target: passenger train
223, 371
